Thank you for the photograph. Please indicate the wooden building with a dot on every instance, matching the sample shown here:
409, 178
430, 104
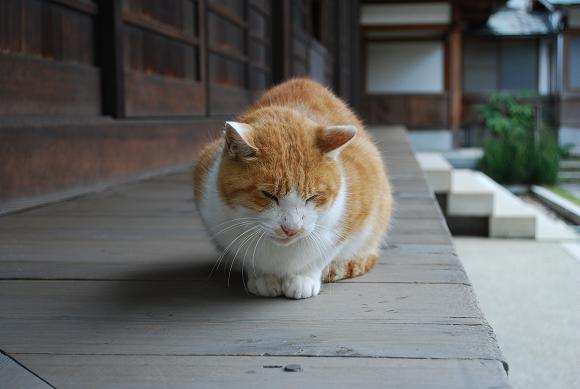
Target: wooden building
414, 54
428, 64
96, 92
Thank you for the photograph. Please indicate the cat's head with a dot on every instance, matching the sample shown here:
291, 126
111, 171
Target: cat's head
281, 171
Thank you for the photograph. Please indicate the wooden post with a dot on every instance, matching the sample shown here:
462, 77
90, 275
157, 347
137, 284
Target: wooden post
203, 59
113, 69
456, 79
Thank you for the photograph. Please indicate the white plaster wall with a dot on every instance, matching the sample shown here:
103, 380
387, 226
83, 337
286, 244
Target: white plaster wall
396, 14
405, 67
574, 17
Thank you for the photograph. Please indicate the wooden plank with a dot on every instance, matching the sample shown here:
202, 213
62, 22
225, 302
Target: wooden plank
186, 260
14, 375
156, 95
345, 338
417, 111
111, 300
115, 371
163, 29
66, 156
201, 318
148, 318
38, 86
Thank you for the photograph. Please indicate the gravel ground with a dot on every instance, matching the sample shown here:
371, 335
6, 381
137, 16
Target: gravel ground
530, 294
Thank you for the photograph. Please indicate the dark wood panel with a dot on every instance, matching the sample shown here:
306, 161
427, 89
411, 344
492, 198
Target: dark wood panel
161, 28
226, 100
413, 111
47, 30
227, 72
225, 36
169, 15
149, 52
570, 111
38, 86
151, 95
42, 158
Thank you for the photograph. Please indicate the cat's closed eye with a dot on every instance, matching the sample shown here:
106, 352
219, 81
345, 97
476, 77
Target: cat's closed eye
311, 198
270, 196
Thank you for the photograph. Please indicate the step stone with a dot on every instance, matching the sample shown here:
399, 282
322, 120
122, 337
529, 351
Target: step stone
437, 170
470, 195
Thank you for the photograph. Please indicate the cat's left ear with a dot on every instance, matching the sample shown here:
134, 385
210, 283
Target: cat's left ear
239, 140
331, 140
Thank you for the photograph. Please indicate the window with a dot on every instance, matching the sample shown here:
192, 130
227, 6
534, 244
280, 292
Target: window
518, 65
574, 62
493, 64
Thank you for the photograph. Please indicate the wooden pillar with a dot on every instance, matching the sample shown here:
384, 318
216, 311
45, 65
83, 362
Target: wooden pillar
456, 80
281, 40
113, 69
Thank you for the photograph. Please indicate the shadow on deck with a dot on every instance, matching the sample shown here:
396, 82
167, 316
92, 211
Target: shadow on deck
112, 290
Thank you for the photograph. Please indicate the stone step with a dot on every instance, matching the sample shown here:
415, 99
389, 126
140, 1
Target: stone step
513, 218
470, 195
569, 164
437, 170
569, 176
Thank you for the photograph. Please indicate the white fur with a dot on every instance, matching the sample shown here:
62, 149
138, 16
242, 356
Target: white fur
247, 238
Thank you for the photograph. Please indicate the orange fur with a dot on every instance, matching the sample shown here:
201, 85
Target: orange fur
287, 121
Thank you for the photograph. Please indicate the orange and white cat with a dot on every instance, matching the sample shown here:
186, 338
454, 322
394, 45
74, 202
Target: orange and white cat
296, 191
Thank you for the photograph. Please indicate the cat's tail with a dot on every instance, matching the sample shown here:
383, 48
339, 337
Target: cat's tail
340, 270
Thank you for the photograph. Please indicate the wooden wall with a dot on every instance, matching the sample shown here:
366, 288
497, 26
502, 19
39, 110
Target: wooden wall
85, 82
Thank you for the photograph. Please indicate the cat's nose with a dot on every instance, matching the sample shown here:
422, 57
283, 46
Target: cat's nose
290, 231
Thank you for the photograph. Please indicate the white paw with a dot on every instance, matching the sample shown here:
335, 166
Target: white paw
265, 285
301, 287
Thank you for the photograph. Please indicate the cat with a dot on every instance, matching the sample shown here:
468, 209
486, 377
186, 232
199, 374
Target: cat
296, 191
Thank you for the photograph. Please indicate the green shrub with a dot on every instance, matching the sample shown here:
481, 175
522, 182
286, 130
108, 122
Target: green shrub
511, 153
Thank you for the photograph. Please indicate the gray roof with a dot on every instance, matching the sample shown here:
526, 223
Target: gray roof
509, 21
564, 2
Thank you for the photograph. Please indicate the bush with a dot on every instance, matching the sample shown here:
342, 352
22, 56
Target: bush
511, 153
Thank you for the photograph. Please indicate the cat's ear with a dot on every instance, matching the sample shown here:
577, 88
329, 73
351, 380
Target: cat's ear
239, 140
332, 139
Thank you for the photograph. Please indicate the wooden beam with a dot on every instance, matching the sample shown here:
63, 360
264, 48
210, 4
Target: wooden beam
456, 81
406, 27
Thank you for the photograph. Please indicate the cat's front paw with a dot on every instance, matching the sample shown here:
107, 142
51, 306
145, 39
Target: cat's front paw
265, 285
301, 287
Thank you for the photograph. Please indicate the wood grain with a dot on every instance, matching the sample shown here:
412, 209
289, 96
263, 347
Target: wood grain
95, 371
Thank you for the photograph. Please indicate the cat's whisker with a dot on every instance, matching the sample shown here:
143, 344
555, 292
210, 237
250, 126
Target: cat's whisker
237, 251
240, 236
244, 259
235, 220
239, 224
254, 254
225, 251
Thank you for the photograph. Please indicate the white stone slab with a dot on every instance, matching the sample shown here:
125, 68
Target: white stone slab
470, 194
437, 170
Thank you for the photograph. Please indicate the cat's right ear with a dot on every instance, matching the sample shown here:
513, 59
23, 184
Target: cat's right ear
239, 140
331, 140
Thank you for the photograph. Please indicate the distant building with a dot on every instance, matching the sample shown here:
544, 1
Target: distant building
428, 64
